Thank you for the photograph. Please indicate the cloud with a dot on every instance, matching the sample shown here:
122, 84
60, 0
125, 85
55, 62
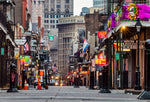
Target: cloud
78, 4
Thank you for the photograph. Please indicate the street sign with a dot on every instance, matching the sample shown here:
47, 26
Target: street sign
2, 51
117, 56
20, 41
51, 38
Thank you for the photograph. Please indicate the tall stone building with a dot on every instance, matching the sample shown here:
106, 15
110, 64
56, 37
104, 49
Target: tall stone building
37, 11
68, 33
54, 10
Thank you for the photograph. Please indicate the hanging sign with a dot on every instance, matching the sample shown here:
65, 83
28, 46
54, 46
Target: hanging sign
102, 34
51, 38
2, 51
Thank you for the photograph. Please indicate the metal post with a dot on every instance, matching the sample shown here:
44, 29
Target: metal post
138, 26
121, 59
114, 72
105, 88
95, 81
117, 75
110, 59
137, 84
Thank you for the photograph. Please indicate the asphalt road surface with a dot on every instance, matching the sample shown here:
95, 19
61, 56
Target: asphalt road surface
67, 94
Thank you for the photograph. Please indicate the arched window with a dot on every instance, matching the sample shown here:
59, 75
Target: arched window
52, 9
67, 11
58, 11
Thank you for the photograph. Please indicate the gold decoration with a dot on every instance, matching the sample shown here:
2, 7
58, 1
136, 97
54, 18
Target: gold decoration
133, 11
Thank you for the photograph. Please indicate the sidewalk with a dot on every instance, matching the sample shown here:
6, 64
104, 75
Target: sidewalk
132, 91
125, 91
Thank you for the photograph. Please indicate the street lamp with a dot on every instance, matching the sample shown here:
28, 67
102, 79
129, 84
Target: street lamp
138, 26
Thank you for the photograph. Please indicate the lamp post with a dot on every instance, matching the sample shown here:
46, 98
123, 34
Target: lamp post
96, 65
138, 26
121, 58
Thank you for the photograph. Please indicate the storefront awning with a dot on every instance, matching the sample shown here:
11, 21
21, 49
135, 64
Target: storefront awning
127, 24
3, 28
131, 24
12, 42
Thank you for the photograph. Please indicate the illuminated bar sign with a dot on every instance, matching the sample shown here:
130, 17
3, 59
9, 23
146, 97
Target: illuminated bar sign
101, 59
102, 34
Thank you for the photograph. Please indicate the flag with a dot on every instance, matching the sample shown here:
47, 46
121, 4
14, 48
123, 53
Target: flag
26, 47
85, 46
54, 68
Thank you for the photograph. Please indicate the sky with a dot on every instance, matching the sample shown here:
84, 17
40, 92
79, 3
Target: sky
78, 4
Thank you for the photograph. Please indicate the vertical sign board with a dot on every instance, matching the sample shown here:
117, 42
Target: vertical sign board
117, 56
16, 52
2, 51
51, 38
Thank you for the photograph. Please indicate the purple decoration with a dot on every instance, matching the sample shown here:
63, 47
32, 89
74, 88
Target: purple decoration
111, 22
143, 14
143, 10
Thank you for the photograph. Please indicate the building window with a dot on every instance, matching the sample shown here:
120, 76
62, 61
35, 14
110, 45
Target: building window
58, 11
67, 11
34, 2
52, 1
39, 2
58, 16
67, 1
52, 10
58, 1
66, 6
58, 6
51, 21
